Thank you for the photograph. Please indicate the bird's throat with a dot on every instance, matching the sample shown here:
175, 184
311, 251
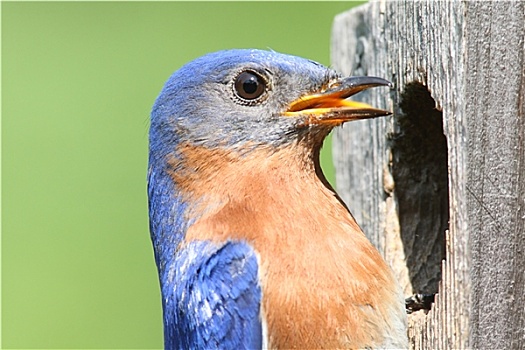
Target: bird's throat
198, 172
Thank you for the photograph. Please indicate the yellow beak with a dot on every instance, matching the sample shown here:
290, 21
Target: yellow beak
331, 106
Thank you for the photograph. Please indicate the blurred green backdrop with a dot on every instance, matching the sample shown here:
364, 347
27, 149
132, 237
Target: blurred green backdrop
78, 82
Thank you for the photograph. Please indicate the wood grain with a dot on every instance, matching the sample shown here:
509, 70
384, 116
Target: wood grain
461, 62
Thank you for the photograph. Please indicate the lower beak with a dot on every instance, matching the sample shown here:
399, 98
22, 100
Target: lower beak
332, 107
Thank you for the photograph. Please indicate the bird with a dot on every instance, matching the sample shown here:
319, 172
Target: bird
254, 249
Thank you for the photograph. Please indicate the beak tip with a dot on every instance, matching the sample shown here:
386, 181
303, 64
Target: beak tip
385, 113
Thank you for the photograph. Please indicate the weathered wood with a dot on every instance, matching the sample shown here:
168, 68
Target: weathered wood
458, 70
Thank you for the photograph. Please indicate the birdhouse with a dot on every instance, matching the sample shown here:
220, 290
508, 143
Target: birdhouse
439, 187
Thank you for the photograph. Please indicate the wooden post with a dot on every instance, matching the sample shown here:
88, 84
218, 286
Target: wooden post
440, 186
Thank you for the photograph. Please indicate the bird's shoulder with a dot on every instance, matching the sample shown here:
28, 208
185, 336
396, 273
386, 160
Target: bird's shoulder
216, 291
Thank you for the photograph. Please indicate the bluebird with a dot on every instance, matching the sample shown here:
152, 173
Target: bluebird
254, 248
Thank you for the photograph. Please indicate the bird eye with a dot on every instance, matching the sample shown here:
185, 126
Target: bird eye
249, 85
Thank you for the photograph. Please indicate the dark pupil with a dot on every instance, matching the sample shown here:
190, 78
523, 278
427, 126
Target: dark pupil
249, 85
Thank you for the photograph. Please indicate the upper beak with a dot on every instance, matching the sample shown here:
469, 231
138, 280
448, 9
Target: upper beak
331, 106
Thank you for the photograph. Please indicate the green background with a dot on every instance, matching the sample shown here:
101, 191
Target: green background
78, 82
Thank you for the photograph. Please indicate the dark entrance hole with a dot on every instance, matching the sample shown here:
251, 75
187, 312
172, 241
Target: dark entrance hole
420, 170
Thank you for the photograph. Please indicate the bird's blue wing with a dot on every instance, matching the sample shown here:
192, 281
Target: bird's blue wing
215, 298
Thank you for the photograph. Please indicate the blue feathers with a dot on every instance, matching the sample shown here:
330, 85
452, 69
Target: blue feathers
166, 215
210, 291
197, 103
211, 298
234, 179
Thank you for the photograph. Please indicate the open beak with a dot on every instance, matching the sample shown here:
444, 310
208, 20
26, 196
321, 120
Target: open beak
332, 107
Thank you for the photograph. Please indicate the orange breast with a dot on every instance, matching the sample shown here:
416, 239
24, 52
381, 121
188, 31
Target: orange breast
324, 284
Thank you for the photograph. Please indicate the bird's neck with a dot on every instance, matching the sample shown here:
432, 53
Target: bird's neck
232, 191
196, 181
208, 177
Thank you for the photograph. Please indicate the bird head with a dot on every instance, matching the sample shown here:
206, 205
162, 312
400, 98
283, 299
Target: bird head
239, 99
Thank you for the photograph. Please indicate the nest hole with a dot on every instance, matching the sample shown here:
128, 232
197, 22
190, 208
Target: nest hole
420, 171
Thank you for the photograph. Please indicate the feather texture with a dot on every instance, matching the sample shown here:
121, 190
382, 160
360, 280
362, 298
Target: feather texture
253, 247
